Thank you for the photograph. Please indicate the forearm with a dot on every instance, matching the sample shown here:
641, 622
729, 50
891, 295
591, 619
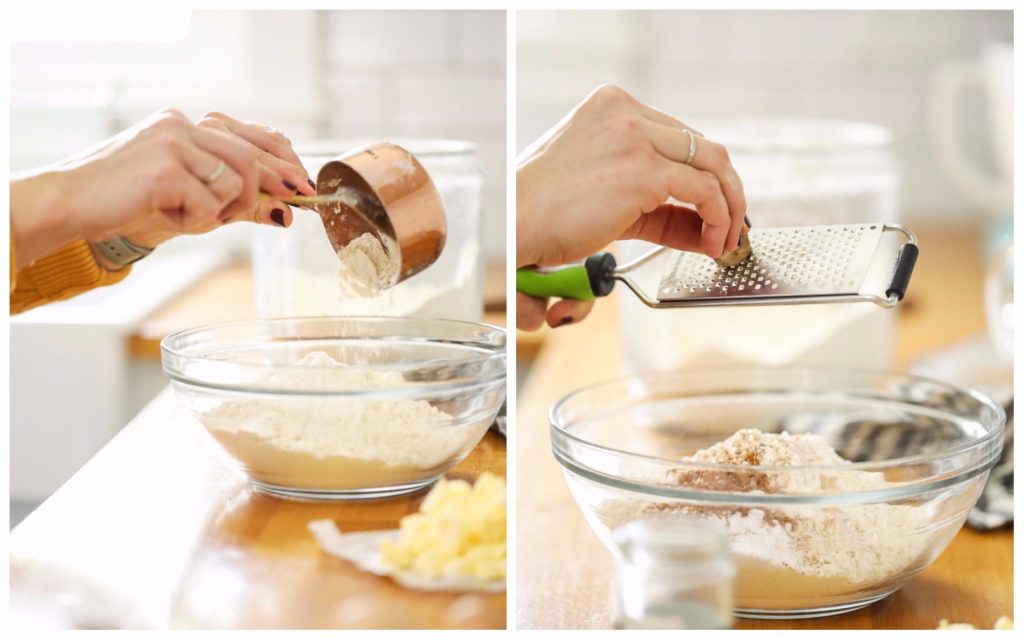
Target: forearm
41, 219
526, 213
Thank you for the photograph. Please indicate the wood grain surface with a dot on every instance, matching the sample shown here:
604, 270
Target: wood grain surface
159, 530
563, 572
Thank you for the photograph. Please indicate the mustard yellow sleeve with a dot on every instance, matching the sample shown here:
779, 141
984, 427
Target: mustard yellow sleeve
63, 274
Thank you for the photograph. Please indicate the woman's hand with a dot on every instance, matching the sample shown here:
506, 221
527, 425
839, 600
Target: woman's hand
161, 178
605, 173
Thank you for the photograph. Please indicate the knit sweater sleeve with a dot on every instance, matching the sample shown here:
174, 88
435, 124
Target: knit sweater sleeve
63, 274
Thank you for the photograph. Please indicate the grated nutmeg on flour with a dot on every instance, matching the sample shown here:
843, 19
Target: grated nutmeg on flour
811, 553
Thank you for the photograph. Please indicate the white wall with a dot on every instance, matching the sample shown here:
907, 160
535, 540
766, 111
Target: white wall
868, 66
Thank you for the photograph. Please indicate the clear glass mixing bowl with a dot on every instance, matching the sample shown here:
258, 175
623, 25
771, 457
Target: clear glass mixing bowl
807, 541
341, 408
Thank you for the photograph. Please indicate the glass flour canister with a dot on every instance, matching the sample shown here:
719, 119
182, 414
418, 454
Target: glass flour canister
296, 269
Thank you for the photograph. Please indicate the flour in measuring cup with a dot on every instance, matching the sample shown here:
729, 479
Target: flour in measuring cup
368, 265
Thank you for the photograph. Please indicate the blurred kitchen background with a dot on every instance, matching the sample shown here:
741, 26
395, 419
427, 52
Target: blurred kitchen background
830, 117
82, 369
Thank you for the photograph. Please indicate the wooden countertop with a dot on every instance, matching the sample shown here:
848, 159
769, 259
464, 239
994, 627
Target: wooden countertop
563, 571
158, 529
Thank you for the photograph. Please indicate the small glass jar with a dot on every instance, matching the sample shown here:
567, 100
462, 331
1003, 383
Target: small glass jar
672, 574
296, 269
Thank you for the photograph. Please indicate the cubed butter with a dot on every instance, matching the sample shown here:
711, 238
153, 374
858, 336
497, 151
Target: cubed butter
459, 531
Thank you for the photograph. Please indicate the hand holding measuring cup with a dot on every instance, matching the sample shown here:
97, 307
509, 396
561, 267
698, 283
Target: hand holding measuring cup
605, 173
163, 177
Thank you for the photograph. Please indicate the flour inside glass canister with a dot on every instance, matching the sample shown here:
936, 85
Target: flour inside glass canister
337, 442
785, 554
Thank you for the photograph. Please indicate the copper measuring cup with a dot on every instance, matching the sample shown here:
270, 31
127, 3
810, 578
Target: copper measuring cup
397, 198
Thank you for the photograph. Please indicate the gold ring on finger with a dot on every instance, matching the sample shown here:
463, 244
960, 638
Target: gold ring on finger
221, 166
693, 146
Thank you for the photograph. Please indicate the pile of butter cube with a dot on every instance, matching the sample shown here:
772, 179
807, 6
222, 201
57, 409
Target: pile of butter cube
1004, 623
459, 531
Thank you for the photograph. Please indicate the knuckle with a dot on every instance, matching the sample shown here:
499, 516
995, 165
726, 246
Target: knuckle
608, 94
166, 171
277, 138
233, 185
719, 155
213, 115
707, 184
171, 112
166, 141
211, 210
169, 122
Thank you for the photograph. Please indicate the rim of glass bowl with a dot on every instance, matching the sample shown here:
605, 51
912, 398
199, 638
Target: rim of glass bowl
176, 356
902, 490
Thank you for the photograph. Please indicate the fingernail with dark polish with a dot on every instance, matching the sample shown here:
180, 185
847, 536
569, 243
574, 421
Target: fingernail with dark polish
277, 215
290, 185
747, 220
564, 321
312, 185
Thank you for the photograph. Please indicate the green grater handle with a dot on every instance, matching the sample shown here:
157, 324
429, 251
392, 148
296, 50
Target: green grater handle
571, 282
594, 278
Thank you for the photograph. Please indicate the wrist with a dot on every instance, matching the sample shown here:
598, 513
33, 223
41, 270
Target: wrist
42, 219
149, 239
527, 252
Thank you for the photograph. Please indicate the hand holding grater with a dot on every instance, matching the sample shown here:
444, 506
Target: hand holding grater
788, 265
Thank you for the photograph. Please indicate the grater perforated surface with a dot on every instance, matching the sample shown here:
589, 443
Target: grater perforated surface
786, 262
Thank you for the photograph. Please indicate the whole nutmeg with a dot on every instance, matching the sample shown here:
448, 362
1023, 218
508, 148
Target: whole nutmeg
737, 255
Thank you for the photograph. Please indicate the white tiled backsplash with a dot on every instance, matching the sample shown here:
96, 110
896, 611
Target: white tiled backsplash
702, 65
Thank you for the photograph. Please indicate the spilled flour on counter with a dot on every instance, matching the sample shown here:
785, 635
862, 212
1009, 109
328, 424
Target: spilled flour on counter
337, 442
793, 556
368, 265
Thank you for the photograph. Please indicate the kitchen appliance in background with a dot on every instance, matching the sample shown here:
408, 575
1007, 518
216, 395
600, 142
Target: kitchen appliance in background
991, 77
296, 270
795, 172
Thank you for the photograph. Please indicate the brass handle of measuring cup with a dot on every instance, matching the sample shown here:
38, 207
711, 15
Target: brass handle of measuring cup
595, 278
306, 202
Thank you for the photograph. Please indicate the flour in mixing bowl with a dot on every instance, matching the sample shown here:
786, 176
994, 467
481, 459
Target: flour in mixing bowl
798, 556
331, 442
